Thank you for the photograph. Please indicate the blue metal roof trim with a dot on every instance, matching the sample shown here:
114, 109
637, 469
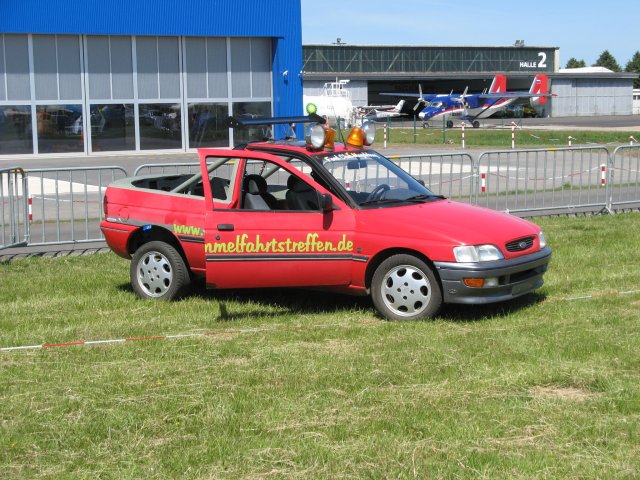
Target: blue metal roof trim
151, 17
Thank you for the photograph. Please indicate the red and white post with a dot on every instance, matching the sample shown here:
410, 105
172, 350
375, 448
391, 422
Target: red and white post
603, 175
483, 182
571, 139
462, 126
513, 135
385, 135
30, 207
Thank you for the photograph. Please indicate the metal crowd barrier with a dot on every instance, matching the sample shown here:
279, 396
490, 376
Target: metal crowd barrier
545, 181
64, 205
167, 168
67, 203
453, 175
14, 208
625, 177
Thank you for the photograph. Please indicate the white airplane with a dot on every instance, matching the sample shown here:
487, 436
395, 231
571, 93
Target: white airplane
376, 112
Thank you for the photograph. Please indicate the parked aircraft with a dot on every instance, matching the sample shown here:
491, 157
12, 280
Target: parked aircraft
377, 112
334, 102
472, 107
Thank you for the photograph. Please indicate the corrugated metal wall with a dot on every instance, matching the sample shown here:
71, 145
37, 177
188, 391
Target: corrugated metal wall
591, 96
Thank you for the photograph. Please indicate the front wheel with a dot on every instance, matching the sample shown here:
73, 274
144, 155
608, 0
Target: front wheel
158, 271
405, 288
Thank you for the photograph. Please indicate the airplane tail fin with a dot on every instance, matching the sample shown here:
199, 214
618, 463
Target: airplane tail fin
499, 84
540, 84
398, 108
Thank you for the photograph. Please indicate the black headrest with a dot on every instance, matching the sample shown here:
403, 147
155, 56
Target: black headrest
297, 185
254, 184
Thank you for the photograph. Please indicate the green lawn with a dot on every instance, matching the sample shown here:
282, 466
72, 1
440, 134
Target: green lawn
544, 387
501, 138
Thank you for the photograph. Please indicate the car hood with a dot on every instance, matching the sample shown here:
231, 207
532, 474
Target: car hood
446, 221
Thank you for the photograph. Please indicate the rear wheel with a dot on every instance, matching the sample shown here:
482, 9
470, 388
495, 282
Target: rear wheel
405, 288
158, 271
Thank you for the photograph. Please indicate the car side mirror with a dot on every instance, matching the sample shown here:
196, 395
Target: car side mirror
326, 202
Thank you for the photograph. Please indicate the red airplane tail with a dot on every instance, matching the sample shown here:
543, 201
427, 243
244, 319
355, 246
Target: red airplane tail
499, 84
540, 85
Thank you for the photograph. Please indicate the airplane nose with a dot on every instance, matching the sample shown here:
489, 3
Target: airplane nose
421, 115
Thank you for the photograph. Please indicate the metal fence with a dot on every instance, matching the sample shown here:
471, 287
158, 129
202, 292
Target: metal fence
64, 205
67, 203
453, 175
14, 209
542, 181
167, 168
625, 177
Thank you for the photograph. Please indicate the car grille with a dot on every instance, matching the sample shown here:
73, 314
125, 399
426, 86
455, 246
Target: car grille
520, 244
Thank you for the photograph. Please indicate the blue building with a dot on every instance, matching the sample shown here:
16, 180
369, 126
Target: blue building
86, 77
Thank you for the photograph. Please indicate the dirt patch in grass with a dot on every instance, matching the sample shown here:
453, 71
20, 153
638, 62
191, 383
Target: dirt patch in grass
562, 393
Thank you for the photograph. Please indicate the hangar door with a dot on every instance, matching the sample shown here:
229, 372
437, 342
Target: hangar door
590, 97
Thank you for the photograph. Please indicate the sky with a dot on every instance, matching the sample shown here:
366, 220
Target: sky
581, 29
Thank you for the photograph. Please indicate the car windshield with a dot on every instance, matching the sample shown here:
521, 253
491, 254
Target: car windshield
373, 180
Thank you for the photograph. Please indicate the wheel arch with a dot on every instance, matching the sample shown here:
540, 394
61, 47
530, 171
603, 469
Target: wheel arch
380, 257
153, 233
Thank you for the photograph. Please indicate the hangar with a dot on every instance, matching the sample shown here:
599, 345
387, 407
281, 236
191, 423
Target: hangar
373, 69
82, 77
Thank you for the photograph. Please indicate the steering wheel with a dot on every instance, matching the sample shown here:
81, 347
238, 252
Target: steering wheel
378, 192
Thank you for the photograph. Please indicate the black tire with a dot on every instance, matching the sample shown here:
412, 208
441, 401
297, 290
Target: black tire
158, 272
405, 288
449, 123
475, 124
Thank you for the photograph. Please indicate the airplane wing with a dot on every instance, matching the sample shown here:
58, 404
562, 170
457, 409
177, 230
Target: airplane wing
505, 95
427, 96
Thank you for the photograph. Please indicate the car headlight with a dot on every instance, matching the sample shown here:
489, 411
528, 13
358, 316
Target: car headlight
478, 253
543, 241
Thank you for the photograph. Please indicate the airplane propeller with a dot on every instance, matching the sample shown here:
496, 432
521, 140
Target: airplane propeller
421, 100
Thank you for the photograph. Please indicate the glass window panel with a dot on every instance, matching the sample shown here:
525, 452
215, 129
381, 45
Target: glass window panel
147, 62
45, 66
59, 128
251, 110
241, 67
69, 67
3, 90
99, 67
17, 65
196, 64
169, 67
217, 68
207, 126
160, 126
261, 67
15, 129
112, 127
121, 68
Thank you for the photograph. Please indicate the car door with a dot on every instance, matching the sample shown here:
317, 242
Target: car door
273, 241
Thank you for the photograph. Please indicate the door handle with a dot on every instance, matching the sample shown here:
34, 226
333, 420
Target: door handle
226, 227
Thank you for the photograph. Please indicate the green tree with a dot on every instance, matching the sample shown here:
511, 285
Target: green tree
573, 63
607, 60
633, 65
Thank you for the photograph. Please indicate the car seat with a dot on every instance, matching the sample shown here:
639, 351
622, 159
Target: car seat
301, 195
256, 196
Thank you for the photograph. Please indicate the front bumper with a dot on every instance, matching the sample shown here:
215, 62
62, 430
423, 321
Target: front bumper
516, 277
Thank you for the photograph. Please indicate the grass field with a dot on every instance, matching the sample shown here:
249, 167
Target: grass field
544, 387
501, 138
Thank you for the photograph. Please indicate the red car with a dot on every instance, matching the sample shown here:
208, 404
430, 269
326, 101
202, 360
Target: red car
322, 215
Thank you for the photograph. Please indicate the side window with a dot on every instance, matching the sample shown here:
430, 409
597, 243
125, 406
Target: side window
222, 174
266, 186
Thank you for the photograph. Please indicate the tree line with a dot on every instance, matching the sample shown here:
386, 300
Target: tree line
608, 61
